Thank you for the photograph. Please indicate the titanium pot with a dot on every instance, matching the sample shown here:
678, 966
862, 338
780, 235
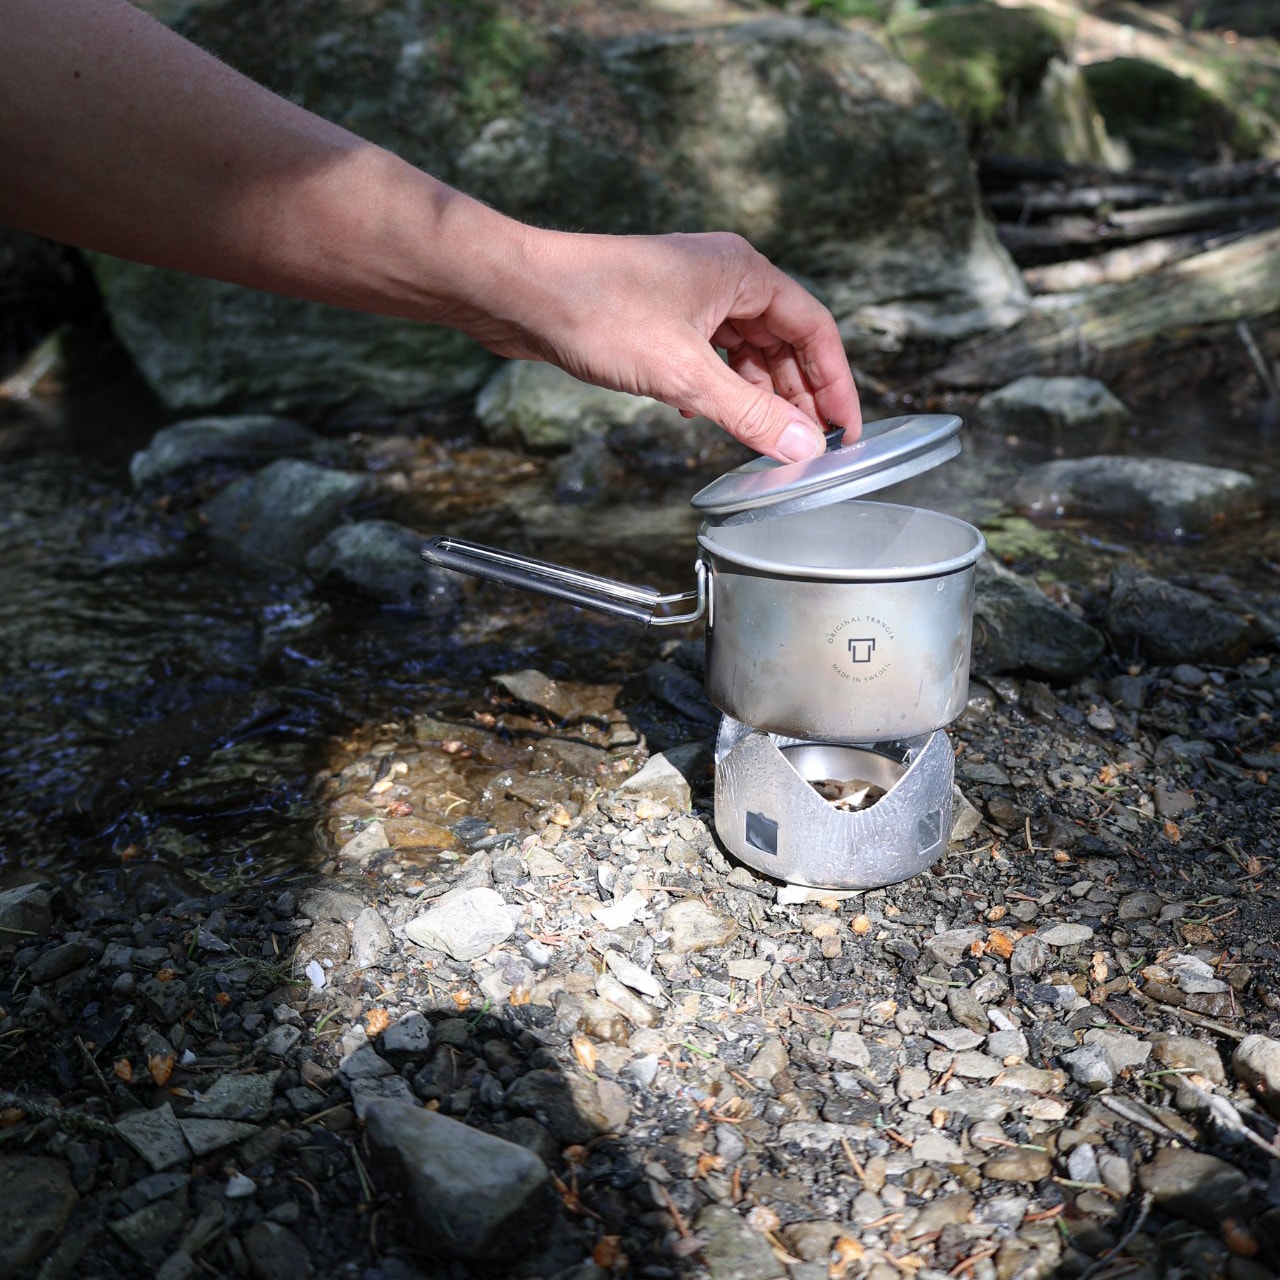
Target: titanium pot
827, 619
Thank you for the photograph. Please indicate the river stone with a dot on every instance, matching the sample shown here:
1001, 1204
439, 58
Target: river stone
36, 1199
382, 560
464, 923
1256, 1061
1049, 408
1186, 1051
284, 510
1195, 1185
545, 408
474, 1195
1170, 624
1157, 495
26, 911
1090, 1066
1017, 1166
246, 439
1016, 627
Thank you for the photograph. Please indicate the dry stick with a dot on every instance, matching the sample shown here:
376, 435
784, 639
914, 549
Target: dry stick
1144, 1208
1260, 365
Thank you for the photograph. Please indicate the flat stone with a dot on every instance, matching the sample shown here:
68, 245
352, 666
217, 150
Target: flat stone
362, 846
660, 779
408, 1037
1256, 1062
36, 1199
849, 1047
237, 1097
937, 1148
474, 1196
950, 946
464, 923
364, 1062
1066, 935
972, 1065
367, 1090
1187, 1051
1124, 1052
204, 1136
148, 1231
694, 926
155, 1135
632, 975
371, 940
973, 1104
1197, 1186
735, 1250
622, 911
1017, 1166
945, 1211
956, 1039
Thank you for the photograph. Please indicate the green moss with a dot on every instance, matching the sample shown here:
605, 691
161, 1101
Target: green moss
1013, 538
979, 60
1164, 116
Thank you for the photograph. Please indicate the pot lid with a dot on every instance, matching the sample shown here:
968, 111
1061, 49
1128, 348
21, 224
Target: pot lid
888, 451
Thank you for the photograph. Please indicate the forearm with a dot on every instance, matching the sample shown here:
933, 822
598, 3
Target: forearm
116, 135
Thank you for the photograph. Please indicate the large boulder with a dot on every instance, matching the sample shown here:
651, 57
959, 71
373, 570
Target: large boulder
810, 139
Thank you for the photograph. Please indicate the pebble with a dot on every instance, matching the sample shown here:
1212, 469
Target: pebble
1017, 1166
1195, 1185
1256, 1062
1089, 1066
1066, 935
155, 1135
734, 1250
694, 926
371, 940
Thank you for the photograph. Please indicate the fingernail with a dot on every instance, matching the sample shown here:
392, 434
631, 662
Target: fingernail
798, 443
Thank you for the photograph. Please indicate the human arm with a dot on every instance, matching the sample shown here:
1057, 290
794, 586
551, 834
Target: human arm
119, 136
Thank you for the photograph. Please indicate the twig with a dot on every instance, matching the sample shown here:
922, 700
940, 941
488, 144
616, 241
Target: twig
1144, 1208
1260, 365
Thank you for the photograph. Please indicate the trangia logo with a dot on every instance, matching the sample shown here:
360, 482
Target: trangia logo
867, 642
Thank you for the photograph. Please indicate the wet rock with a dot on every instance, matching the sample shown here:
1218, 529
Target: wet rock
1256, 1062
26, 911
1050, 408
382, 560
244, 440
1156, 494
464, 923
734, 1250
284, 510
1196, 1186
1168, 623
36, 1199
1017, 628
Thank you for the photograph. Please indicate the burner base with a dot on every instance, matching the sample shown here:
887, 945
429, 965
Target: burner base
769, 816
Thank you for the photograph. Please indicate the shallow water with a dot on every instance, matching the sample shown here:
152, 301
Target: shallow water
165, 709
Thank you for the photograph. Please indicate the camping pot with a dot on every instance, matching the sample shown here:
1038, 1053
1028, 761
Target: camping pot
828, 619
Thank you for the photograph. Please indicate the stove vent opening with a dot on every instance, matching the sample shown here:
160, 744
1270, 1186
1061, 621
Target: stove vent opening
762, 833
929, 829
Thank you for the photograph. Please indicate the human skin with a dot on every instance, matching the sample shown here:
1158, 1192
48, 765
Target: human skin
119, 136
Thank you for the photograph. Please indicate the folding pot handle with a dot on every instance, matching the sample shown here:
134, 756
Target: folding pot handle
586, 590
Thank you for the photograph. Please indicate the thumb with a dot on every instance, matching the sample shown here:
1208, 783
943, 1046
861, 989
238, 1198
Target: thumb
757, 416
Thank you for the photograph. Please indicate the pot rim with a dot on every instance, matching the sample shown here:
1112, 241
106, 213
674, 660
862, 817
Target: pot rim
934, 569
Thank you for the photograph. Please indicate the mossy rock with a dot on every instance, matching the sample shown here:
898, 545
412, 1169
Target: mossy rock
980, 60
1168, 118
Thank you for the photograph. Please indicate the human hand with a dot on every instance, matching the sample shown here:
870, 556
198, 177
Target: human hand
645, 314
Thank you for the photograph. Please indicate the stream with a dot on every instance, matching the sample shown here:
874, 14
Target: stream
170, 714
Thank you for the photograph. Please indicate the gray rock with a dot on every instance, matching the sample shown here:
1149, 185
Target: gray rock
1155, 494
383, 561
1052, 408
734, 1250
945, 1211
474, 1196
284, 510
1017, 1166
1016, 627
245, 1097
371, 940
1186, 1051
251, 439
155, 1135
849, 1047
967, 1009
36, 1199
408, 1037
936, 1147
1256, 1062
148, 1231
1168, 623
1196, 1186
973, 1104
1031, 955
58, 961
1066, 935
545, 408
1090, 1067
565, 1103
367, 1090
26, 911
950, 946
1082, 1164
275, 1253
203, 1136
364, 1062
464, 923
1124, 1052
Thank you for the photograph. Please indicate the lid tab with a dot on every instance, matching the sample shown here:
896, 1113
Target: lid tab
889, 451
